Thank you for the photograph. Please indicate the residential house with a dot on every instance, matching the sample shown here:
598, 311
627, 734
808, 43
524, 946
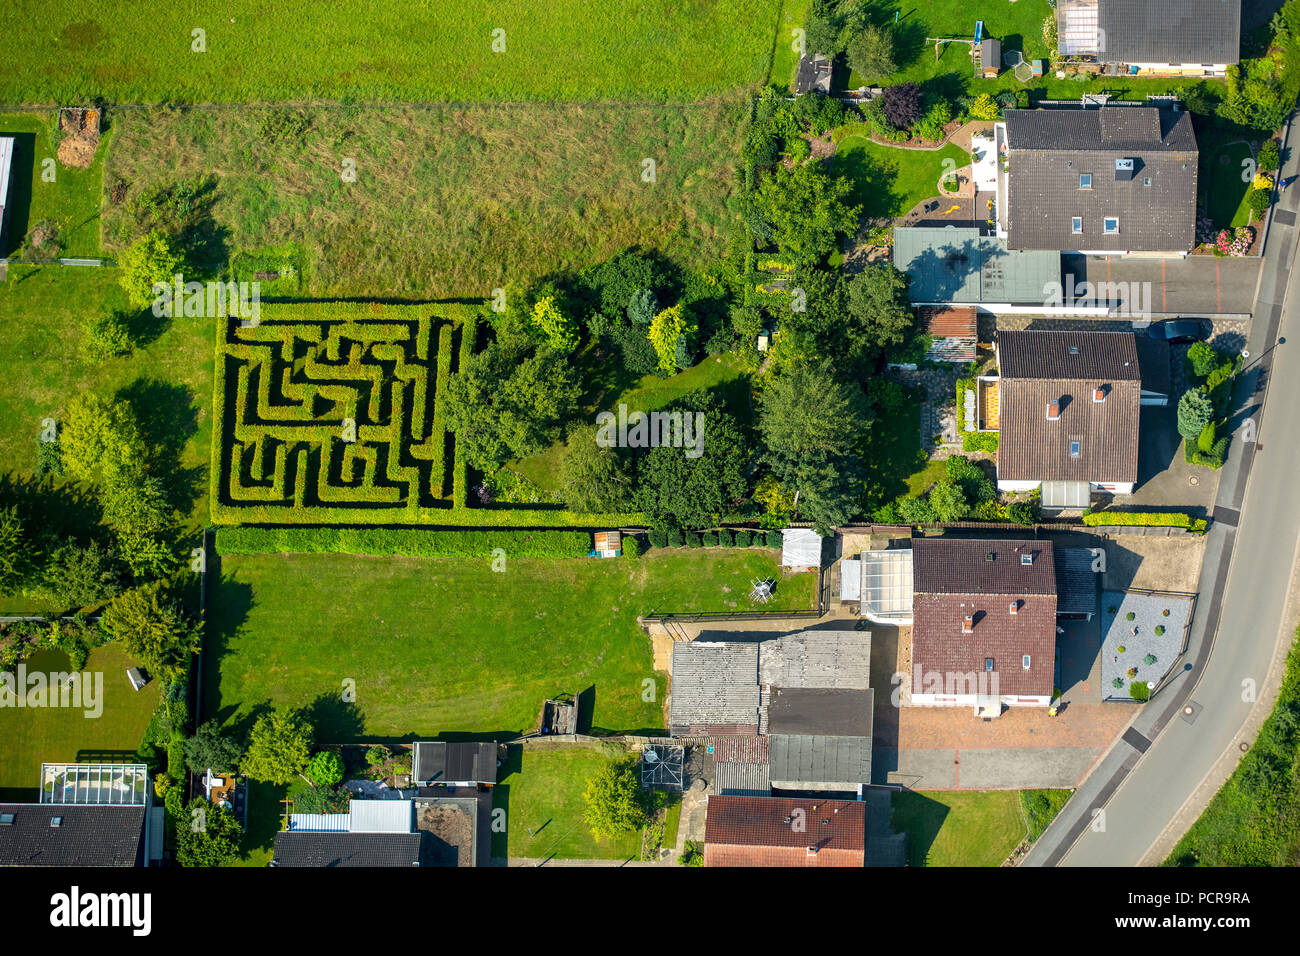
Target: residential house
772, 831
984, 623
1139, 37
954, 266
1069, 407
429, 831
89, 814
1118, 179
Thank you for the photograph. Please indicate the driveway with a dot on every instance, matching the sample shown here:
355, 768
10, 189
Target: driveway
1165, 480
948, 748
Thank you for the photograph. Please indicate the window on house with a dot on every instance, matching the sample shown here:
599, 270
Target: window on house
1076, 225
1111, 226
1085, 180
1146, 181
1074, 449
988, 664
1024, 662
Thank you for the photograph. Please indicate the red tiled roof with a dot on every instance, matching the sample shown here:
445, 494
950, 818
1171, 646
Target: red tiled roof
962, 566
765, 831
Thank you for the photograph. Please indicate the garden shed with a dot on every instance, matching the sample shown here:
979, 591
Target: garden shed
801, 549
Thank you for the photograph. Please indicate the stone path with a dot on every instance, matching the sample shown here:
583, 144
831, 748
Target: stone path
939, 387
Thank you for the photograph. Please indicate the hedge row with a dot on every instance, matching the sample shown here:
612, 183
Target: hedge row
460, 468
409, 542
1148, 519
439, 433
724, 538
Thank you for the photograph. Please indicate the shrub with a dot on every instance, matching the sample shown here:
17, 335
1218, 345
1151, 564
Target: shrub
1117, 683
1259, 200
774, 539
325, 769
105, 336
1150, 659
1194, 411
985, 107
902, 104
710, 539
1203, 359
1129, 616
658, 538
930, 127
1132, 672
726, 538
1121, 648
1270, 156
743, 539
1150, 519
692, 539
631, 547
1139, 691
979, 441
675, 538
915, 510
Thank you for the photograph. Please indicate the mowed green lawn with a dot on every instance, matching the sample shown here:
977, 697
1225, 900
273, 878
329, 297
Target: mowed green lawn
959, 827
1223, 163
391, 50
30, 737
447, 645
541, 792
71, 200
888, 180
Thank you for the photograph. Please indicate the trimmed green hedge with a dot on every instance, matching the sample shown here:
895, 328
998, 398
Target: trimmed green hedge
1148, 519
410, 542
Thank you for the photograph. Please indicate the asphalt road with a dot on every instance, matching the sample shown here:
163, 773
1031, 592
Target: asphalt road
1124, 806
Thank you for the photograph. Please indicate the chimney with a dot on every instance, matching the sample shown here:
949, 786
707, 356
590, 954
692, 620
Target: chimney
1099, 393
1053, 411
968, 624
1015, 608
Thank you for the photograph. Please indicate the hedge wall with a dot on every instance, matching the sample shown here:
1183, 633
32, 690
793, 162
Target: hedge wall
409, 542
1148, 519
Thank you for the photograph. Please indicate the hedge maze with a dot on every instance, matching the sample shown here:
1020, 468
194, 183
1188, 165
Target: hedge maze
331, 413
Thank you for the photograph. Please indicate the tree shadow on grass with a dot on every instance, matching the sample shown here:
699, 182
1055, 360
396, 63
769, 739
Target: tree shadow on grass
168, 417
63, 512
873, 180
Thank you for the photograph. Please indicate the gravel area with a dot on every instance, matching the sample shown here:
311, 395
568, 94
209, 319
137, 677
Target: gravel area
1139, 638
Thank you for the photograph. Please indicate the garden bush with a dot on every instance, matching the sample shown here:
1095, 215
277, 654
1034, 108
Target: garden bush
1149, 519
658, 538
1139, 691
774, 539
742, 539
692, 539
631, 546
710, 539
675, 538
726, 538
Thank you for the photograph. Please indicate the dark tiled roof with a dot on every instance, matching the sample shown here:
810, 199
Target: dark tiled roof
87, 835
1038, 368
819, 762
759, 831
1076, 581
940, 647
961, 566
346, 849
1171, 31
1155, 204
441, 761
1076, 356
801, 710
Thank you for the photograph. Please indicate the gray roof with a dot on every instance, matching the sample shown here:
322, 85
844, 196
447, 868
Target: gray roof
1076, 581
1038, 368
957, 265
87, 835
1170, 31
820, 711
814, 762
714, 684
840, 659
346, 849
742, 779
1048, 150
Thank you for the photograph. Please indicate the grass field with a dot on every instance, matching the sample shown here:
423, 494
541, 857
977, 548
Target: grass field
71, 200
168, 380
1222, 190
541, 792
446, 645
446, 202
894, 461
29, 738
392, 50
958, 828
887, 180
785, 59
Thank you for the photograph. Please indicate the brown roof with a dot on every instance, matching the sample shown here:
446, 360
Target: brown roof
962, 566
1039, 368
939, 645
765, 831
952, 331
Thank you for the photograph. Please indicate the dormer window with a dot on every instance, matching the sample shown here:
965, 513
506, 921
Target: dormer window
968, 624
1053, 411
1085, 180
1099, 394
1015, 608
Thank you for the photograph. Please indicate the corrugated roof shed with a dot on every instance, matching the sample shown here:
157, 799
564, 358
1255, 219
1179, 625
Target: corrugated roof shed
1087, 440
958, 265
381, 816
737, 749
840, 659
319, 822
714, 684
1171, 31
801, 548
1153, 200
952, 331
1076, 581
742, 779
